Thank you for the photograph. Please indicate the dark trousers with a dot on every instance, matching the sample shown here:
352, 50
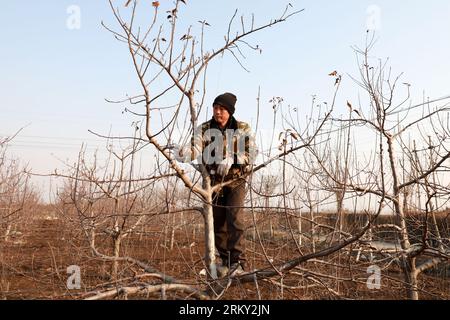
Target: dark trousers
228, 224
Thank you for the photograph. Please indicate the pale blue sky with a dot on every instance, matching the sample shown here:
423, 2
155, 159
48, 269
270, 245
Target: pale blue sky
55, 80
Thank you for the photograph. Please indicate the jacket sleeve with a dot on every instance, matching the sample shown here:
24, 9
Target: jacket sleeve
246, 149
197, 142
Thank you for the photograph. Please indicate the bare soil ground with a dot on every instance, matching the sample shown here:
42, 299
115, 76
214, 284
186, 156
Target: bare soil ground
33, 265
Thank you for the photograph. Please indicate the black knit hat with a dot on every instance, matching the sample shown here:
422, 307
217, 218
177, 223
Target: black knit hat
226, 100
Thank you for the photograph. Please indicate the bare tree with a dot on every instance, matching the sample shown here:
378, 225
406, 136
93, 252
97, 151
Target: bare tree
391, 120
16, 191
185, 65
182, 66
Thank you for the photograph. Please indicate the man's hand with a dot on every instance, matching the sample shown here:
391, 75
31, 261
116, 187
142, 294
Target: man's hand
224, 166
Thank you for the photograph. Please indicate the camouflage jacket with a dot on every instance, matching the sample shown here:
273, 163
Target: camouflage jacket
210, 145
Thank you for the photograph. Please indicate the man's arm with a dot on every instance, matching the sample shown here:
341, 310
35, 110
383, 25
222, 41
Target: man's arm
246, 146
191, 150
197, 142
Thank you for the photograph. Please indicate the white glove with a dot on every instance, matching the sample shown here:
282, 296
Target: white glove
182, 154
224, 166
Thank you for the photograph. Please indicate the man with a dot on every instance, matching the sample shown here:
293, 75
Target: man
227, 148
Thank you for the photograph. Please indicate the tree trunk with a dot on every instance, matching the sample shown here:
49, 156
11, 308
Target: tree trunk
210, 258
8, 224
115, 266
411, 278
172, 233
409, 267
7, 231
313, 227
340, 210
300, 228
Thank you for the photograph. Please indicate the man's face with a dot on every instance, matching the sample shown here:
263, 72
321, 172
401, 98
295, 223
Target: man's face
221, 115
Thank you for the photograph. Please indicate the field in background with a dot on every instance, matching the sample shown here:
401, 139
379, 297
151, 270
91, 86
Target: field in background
34, 260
